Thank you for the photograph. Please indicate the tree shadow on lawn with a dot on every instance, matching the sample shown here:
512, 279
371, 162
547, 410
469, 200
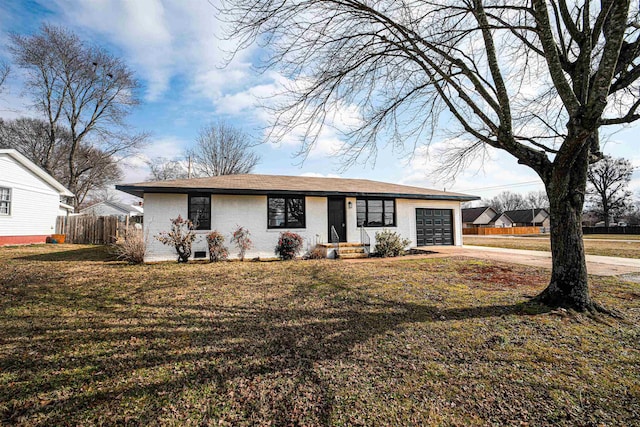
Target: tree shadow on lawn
156, 363
69, 254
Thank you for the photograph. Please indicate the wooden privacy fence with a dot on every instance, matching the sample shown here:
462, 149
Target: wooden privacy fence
87, 229
487, 231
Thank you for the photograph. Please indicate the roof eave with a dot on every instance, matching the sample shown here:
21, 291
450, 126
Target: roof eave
139, 191
38, 171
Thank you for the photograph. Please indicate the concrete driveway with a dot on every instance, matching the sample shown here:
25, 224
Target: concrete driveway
597, 265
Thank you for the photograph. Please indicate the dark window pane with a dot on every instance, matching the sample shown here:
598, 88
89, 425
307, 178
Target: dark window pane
388, 219
375, 212
276, 212
375, 206
285, 212
375, 219
295, 212
200, 212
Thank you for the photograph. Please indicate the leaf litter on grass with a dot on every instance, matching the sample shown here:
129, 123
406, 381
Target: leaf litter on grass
411, 342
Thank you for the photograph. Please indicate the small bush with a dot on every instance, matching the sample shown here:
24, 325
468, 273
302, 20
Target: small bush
390, 244
217, 250
289, 245
316, 253
132, 246
240, 238
180, 237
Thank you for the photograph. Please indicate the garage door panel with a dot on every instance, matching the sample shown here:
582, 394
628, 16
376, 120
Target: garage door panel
434, 227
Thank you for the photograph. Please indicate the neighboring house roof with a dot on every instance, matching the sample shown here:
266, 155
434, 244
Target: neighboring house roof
131, 210
525, 215
500, 215
472, 214
36, 170
269, 184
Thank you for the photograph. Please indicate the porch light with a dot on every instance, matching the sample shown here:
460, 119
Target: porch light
350, 204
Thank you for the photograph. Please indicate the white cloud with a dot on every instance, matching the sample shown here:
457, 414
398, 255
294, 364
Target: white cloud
140, 28
135, 167
320, 175
164, 40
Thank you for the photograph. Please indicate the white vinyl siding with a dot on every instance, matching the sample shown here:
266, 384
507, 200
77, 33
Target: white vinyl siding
33, 205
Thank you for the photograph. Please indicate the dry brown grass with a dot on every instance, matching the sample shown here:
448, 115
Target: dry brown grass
87, 341
628, 249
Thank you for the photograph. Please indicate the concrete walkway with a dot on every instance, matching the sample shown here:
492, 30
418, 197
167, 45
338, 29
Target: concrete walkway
597, 265
517, 236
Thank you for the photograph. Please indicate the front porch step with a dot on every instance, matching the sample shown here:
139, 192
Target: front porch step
353, 255
351, 250
341, 245
346, 250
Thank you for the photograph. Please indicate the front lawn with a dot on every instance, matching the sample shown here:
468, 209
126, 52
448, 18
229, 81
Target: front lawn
592, 246
87, 341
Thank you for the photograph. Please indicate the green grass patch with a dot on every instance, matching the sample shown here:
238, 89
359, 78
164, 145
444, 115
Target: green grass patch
89, 341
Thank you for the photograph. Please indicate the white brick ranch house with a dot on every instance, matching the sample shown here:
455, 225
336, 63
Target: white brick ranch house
312, 207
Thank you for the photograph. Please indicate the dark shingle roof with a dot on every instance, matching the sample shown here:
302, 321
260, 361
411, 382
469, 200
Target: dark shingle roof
269, 184
471, 214
523, 215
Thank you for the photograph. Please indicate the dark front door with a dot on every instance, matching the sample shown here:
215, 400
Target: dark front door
337, 218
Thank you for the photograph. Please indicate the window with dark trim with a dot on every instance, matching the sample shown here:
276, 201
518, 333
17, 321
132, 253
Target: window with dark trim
285, 212
200, 211
5, 201
376, 212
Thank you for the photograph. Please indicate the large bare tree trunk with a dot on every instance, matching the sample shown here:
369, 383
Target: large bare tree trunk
566, 190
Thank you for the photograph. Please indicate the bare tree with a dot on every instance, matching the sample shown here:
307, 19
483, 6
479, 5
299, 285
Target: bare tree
536, 199
80, 87
31, 137
535, 78
96, 170
608, 190
507, 201
222, 149
162, 169
93, 167
4, 72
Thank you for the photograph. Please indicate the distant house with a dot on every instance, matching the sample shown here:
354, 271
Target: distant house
529, 217
478, 217
321, 210
502, 220
120, 210
30, 200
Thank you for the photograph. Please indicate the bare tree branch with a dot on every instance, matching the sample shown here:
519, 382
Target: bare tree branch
4, 72
222, 150
82, 88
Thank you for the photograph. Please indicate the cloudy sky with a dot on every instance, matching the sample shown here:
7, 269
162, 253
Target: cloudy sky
176, 50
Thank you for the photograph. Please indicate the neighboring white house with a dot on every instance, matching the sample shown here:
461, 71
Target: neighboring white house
29, 200
121, 210
312, 207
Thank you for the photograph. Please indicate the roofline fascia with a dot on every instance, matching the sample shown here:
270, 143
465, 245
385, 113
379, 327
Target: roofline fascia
37, 170
139, 192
